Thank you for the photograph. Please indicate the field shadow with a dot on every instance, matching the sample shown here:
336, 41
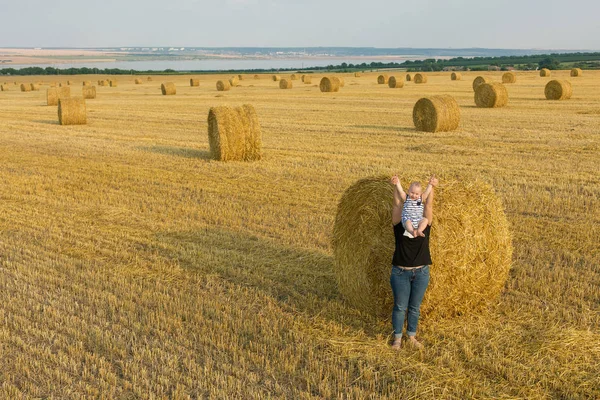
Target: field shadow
46, 121
297, 278
185, 152
386, 128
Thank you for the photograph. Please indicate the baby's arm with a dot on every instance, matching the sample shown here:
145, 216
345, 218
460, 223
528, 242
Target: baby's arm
427, 189
398, 186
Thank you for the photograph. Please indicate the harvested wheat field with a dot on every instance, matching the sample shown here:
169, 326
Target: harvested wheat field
132, 265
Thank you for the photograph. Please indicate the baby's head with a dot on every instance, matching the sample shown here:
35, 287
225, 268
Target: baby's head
414, 191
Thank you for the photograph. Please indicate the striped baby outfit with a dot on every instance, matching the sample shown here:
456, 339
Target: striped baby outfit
413, 211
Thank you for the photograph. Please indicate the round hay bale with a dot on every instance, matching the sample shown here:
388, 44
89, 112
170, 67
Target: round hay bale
100, 82
234, 133
285, 84
233, 81
357, 74
293, 77
544, 72
558, 90
408, 77
87, 83
456, 76
168, 89
55, 94
307, 79
223, 86
479, 80
149, 78
329, 84
472, 243
342, 81
34, 87
89, 92
4, 88
382, 79
113, 83
72, 111
275, 78
491, 95
194, 82
69, 83
436, 114
138, 81
509, 77
420, 78
395, 83
576, 72
240, 77
256, 76
25, 87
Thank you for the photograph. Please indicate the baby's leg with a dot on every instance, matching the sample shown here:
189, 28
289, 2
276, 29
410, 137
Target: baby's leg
409, 227
422, 225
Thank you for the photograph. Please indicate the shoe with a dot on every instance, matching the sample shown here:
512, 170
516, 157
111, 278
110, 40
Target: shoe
408, 235
397, 344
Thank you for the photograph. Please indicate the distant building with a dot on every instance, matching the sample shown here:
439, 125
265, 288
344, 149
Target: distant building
493, 68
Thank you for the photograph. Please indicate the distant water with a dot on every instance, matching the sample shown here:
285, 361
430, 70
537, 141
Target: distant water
218, 64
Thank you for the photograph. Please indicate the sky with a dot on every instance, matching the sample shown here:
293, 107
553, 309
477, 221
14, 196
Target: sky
522, 24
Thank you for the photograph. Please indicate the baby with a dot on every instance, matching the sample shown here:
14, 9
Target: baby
412, 212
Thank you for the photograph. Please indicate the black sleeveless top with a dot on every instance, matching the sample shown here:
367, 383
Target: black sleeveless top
411, 252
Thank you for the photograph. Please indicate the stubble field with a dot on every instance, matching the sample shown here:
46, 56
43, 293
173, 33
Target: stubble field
133, 266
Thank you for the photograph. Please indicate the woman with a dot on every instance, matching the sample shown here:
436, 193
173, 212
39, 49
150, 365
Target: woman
410, 266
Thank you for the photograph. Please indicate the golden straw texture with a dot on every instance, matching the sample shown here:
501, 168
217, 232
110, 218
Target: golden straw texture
307, 79
576, 72
275, 78
113, 83
509, 77
357, 74
395, 83
138, 81
89, 92
72, 111
558, 90
194, 82
479, 80
436, 114
491, 95
545, 72
420, 78
87, 83
456, 76
233, 81
329, 84
382, 79
223, 85
234, 133
408, 77
54, 94
168, 89
25, 87
285, 84
473, 243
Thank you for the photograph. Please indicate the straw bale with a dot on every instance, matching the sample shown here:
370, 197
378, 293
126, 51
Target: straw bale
395, 83
72, 111
293, 77
275, 78
54, 94
240, 77
408, 77
4, 87
329, 84
194, 82
87, 83
436, 114
307, 79
456, 76
234, 133
473, 243
233, 81
168, 88
100, 82
89, 92
491, 95
113, 83
545, 72
138, 81
223, 85
25, 87
342, 82
69, 83
357, 74
558, 90
256, 76
285, 84
576, 72
509, 77
420, 78
382, 79
35, 86
479, 80
149, 78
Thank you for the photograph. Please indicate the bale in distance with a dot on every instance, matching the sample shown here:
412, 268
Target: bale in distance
113, 83
479, 80
329, 84
395, 83
72, 111
55, 94
558, 90
87, 83
293, 77
233, 81
491, 95
420, 78
100, 82
138, 81
149, 78
25, 87
576, 72
544, 72
363, 245
357, 74
89, 92
69, 83
436, 114
168, 89
285, 84
509, 77
34, 87
275, 78
408, 77
223, 86
194, 82
234, 133
456, 76
382, 79
240, 77
307, 79
256, 76
4, 87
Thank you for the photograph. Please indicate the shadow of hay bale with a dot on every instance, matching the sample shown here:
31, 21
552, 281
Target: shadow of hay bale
177, 151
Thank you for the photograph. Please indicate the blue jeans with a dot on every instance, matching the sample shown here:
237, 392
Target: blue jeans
408, 287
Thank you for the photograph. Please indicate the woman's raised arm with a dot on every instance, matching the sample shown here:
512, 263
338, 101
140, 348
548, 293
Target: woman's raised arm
428, 211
